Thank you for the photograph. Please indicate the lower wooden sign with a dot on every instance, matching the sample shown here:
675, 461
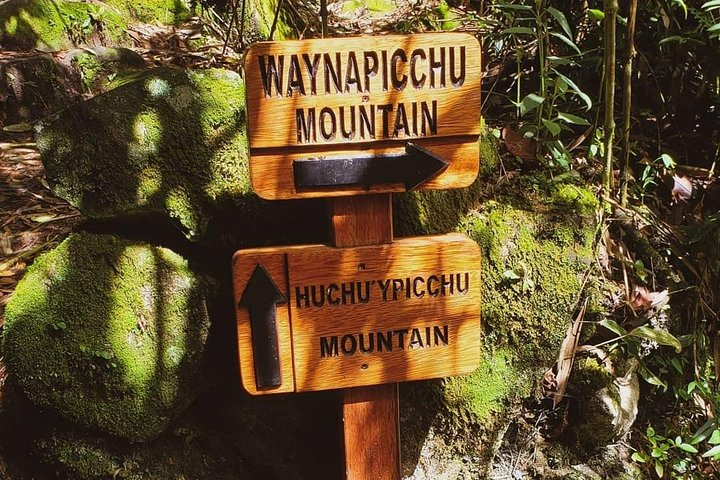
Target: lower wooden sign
314, 317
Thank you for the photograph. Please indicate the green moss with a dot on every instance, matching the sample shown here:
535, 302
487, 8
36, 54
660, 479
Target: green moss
489, 389
171, 142
89, 68
110, 333
259, 20
445, 18
531, 281
167, 12
54, 25
374, 6
576, 198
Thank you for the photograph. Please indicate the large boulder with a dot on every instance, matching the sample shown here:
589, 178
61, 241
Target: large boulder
110, 333
536, 237
172, 143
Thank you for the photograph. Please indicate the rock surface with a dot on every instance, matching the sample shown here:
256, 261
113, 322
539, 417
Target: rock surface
171, 142
110, 333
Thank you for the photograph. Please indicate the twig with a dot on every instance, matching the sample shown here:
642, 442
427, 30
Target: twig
275, 19
611, 8
627, 98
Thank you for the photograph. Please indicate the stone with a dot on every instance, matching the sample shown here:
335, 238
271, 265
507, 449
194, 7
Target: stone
171, 143
110, 333
536, 238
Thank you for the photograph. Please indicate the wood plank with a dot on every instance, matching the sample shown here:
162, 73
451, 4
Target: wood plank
371, 415
356, 223
372, 432
373, 72
376, 313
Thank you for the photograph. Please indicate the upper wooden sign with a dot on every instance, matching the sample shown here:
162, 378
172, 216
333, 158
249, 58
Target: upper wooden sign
351, 115
315, 317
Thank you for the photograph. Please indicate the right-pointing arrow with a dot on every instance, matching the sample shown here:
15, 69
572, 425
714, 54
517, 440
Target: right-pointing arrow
260, 297
412, 168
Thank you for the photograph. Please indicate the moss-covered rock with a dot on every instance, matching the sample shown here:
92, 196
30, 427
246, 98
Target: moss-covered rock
51, 25
171, 142
110, 333
99, 66
536, 236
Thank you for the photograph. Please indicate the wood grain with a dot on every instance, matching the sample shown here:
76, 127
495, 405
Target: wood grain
328, 268
370, 414
444, 119
272, 119
372, 432
355, 222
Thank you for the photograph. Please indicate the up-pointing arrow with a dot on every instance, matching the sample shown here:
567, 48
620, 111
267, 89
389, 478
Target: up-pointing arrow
413, 168
260, 297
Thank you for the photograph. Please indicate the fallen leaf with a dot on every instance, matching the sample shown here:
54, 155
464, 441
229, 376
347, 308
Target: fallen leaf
640, 299
567, 355
682, 189
518, 145
44, 218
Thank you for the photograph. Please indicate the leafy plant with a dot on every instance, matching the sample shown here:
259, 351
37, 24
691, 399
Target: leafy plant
556, 105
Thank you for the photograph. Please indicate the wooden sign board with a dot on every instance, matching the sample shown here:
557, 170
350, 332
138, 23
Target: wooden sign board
354, 104
346, 317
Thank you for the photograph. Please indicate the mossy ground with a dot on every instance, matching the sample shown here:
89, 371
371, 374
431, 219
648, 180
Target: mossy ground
110, 333
53, 25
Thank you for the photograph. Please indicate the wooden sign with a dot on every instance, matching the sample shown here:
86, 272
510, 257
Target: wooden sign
315, 317
369, 114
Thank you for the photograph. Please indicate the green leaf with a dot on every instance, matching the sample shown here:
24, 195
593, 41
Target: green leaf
568, 42
597, 15
551, 126
561, 19
530, 103
712, 452
714, 438
688, 448
711, 5
714, 28
570, 118
510, 6
673, 38
659, 469
703, 431
639, 457
576, 89
662, 337
675, 362
613, 327
527, 30
651, 378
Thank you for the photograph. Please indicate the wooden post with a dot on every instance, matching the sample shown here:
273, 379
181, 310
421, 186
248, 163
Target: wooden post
371, 418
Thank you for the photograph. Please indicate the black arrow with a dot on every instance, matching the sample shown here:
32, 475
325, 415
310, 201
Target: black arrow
260, 297
413, 168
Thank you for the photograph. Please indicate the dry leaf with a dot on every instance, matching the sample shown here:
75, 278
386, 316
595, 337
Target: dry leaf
682, 189
640, 299
567, 354
518, 145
